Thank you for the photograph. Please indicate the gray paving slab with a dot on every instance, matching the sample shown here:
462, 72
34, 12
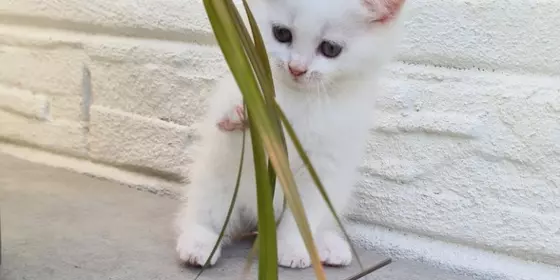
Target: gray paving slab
61, 225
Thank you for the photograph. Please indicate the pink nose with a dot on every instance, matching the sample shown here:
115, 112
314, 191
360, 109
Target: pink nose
296, 71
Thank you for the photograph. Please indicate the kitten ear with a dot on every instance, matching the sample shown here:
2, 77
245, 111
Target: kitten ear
383, 11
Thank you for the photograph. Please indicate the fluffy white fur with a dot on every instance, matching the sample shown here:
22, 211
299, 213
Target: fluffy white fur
329, 107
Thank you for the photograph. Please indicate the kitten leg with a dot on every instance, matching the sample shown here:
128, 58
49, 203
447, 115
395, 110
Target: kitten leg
333, 247
208, 199
291, 248
199, 227
195, 245
213, 176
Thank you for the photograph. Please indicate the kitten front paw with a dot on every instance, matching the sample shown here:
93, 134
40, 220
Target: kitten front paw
333, 249
293, 254
235, 120
195, 245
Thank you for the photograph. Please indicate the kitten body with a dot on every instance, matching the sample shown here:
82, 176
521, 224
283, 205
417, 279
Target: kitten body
325, 80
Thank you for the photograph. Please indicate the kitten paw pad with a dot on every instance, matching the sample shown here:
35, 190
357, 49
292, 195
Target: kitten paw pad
194, 247
236, 122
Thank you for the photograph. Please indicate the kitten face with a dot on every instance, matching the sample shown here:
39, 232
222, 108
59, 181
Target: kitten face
314, 44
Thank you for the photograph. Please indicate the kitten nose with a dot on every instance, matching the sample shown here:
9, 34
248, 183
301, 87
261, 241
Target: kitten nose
297, 71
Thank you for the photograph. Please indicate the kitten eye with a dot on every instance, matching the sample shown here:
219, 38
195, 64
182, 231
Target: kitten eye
282, 34
330, 49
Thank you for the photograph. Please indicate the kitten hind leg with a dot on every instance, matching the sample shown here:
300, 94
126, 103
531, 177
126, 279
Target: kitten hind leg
195, 245
333, 248
292, 252
200, 222
212, 178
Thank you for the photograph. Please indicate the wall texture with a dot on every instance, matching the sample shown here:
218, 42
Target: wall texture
465, 142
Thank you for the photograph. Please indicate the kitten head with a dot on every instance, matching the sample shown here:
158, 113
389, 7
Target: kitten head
315, 44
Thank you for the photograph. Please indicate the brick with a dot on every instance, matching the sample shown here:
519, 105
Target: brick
38, 38
25, 103
518, 36
452, 124
173, 19
67, 107
141, 143
151, 90
191, 59
60, 136
464, 209
46, 70
53, 72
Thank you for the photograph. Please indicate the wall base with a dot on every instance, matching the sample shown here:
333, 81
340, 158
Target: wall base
477, 263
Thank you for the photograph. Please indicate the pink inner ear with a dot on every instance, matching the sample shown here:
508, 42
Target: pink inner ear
384, 10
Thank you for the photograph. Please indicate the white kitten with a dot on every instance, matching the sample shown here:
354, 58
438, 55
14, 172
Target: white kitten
326, 56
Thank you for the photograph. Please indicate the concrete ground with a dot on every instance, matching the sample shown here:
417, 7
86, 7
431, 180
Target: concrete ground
61, 225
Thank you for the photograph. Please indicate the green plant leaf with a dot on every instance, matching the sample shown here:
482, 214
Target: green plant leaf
236, 46
269, 98
268, 253
259, 44
259, 59
264, 74
290, 190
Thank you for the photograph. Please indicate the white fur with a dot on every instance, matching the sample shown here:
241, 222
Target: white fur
330, 112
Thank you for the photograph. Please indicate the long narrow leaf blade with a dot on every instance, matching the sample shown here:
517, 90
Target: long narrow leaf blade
235, 53
258, 58
260, 47
263, 58
268, 253
291, 193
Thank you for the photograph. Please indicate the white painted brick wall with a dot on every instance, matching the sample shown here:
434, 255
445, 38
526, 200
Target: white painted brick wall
457, 153
467, 157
